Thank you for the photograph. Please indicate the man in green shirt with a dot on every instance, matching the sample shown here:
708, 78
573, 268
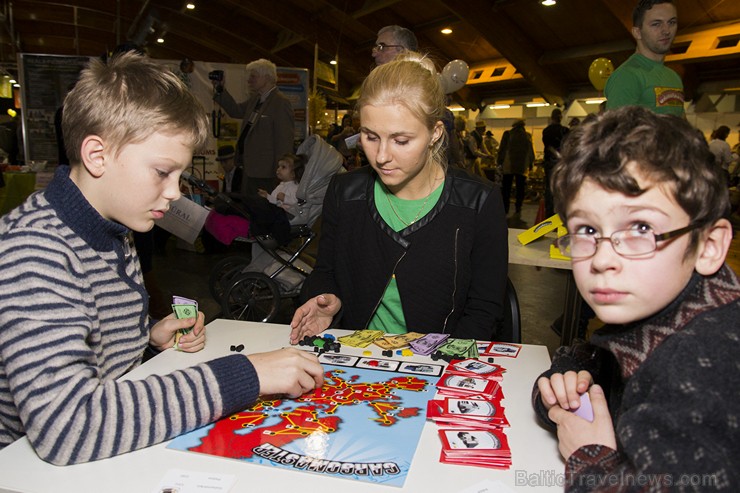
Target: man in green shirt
643, 80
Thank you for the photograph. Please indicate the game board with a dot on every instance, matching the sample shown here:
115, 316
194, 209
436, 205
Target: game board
363, 424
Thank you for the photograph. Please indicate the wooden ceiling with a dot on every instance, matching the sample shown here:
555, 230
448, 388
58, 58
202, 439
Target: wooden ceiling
539, 51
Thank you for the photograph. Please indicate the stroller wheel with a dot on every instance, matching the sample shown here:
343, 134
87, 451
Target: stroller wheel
251, 296
223, 274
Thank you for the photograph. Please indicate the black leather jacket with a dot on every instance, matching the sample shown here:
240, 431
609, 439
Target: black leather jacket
450, 266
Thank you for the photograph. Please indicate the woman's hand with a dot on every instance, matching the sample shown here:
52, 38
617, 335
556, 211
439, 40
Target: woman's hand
162, 335
314, 316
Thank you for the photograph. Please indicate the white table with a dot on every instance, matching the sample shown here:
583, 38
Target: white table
537, 254
534, 450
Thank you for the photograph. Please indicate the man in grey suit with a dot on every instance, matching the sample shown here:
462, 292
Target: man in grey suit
267, 126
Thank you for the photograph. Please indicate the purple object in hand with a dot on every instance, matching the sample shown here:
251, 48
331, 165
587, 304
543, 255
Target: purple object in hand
585, 410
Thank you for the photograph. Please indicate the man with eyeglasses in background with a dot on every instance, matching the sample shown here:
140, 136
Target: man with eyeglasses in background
391, 41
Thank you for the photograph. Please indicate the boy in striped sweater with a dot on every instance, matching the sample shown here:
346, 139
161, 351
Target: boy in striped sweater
73, 308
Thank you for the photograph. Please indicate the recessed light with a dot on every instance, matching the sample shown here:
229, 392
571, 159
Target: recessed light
548, 3
160, 40
190, 6
446, 30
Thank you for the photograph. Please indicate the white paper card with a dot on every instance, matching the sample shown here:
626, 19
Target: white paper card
182, 481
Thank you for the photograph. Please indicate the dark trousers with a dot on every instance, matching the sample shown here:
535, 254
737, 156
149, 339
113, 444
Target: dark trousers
521, 183
549, 205
253, 184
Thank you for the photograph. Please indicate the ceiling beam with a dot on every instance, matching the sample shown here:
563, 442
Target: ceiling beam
503, 34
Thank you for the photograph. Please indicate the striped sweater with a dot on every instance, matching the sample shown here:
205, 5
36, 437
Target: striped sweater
72, 321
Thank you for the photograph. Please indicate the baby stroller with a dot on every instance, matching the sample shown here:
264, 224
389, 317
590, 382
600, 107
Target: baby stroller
253, 288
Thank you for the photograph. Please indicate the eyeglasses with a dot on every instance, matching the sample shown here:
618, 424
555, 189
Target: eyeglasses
627, 242
383, 47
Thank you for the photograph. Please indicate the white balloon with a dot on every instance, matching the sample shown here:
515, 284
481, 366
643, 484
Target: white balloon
454, 76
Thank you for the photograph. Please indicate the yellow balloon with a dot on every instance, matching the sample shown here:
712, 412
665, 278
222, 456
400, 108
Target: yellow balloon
599, 72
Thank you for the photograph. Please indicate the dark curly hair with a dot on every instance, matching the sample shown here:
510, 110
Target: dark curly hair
666, 149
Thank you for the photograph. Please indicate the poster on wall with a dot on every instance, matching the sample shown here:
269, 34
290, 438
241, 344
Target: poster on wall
45, 80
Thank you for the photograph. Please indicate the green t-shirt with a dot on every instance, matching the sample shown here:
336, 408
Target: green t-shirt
645, 82
398, 214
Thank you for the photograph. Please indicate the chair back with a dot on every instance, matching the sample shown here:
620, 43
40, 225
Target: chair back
511, 328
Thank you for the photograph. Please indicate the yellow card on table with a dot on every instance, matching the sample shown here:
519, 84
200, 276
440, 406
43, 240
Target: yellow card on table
539, 230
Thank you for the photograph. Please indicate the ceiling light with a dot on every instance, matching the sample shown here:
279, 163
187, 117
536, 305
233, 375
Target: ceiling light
333, 62
595, 101
500, 106
537, 105
12, 81
190, 6
446, 30
548, 3
160, 40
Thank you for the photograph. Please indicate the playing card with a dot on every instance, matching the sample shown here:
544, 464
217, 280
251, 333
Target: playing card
502, 349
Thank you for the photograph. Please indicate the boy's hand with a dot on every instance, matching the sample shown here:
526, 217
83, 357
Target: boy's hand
281, 196
262, 193
574, 432
564, 389
287, 371
162, 335
314, 316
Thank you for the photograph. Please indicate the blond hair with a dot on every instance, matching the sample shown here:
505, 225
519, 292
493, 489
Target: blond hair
125, 100
410, 80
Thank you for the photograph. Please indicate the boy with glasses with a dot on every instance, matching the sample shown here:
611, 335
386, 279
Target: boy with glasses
646, 209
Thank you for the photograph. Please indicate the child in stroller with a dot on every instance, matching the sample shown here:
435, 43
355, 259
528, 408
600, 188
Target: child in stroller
252, 288
266, 214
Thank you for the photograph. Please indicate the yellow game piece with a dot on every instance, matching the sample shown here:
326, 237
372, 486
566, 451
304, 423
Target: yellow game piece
367, 353
407, 352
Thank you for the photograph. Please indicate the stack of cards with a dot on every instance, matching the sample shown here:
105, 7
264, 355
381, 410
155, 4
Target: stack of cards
183, 308
475, 447
470, 415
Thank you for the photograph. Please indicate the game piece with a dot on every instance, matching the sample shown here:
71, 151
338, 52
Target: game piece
388, 352
367, 353
406, 352
329, 337
585, 410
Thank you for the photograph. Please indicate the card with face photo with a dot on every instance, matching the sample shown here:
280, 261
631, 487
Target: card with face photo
503, 349
462, 439
338, 359
378, 364
475, 366
466, 385
421, 368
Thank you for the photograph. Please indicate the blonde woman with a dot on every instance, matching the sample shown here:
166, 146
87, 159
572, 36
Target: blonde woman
408, 243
